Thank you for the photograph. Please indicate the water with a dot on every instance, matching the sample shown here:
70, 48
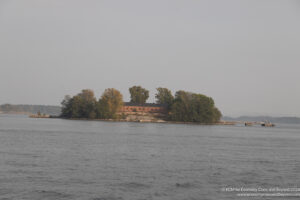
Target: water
93, 160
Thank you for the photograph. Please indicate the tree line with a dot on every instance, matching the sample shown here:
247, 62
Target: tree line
184, 106
33, 109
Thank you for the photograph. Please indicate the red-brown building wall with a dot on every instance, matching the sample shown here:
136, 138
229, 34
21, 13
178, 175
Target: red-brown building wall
148, 109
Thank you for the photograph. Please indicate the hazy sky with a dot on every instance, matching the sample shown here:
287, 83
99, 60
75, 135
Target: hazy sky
243, 53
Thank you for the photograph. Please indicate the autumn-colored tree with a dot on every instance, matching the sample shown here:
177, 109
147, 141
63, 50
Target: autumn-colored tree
109, 104
138, 94
88, 104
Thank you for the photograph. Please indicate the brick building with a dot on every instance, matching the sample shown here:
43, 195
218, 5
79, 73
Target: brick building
129, 107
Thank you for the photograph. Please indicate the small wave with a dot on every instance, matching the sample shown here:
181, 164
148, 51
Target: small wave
184, 185
134, 185
19, 164
43, 194
107, 198
4, 191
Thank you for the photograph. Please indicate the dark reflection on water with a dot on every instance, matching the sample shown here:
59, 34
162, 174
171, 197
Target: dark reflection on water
63, 159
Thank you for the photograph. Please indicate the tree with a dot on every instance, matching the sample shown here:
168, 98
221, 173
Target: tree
76, 107
181, 106
66, 111
191, 107
83, 105
216, 115
110, 103
138, 94
87, 104
164, 96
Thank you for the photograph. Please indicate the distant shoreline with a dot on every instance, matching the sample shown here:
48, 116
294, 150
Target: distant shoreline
225, 119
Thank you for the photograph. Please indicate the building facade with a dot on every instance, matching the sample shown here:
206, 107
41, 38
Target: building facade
129, 107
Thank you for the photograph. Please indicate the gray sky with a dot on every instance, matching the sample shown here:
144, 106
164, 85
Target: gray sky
243, 53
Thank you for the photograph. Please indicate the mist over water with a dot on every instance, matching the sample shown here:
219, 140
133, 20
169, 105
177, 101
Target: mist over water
93, 160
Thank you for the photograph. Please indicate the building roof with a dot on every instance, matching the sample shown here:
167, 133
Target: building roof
144, 104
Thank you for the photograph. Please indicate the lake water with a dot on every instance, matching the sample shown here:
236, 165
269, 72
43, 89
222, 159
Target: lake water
93, 160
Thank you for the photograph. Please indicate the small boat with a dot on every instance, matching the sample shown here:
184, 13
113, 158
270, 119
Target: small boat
248, 124
267, 124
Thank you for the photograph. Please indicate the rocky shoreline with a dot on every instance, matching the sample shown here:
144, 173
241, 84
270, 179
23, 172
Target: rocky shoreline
137, 120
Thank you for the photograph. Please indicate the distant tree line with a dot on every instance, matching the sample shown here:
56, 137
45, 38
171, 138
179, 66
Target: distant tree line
185, 106
33, 109
285, 120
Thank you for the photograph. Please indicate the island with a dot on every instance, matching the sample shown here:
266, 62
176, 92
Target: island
184, 107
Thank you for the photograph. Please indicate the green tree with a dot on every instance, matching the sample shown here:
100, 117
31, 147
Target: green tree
164, 96
191, 107
76, 107
138, 94
109, 104
181, 106
216, 115
83, 105
66, 111
87, 105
